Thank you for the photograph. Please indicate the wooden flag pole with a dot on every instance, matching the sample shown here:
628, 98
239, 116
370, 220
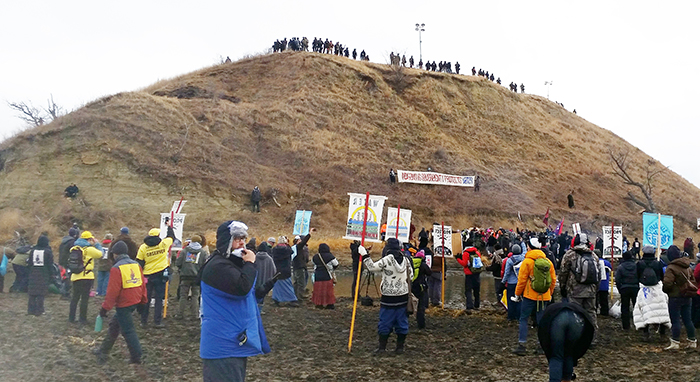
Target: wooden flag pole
398, 213
612, 260
359, 274
442, 294
658, 239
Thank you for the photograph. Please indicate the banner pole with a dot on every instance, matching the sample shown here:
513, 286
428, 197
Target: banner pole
398, 214
442, 293
359, 273
658, 239
612, 260
167, 283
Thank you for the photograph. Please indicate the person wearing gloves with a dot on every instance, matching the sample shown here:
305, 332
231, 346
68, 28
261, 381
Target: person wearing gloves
232, 328
532, 270
397, 273
153, 257
510, 278
82, 282
126, 290
188, 264
680, 286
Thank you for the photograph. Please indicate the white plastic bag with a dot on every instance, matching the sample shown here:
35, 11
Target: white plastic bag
616, 310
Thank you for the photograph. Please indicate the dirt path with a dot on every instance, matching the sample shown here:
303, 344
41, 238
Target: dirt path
311, 344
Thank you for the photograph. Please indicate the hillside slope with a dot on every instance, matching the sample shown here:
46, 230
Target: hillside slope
315, 127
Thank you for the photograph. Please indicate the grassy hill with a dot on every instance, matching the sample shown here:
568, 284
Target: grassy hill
314, 127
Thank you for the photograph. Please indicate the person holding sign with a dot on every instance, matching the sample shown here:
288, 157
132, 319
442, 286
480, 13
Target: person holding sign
153, 257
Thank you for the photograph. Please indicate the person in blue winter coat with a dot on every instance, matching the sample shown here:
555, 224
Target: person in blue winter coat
232, 328
510, 279
603, 295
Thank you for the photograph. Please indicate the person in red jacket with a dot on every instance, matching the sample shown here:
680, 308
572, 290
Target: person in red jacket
125, 291
472, 271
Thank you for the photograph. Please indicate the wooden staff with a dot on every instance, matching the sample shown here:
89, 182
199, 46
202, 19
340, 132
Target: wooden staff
612, 259
442, 294
359, 273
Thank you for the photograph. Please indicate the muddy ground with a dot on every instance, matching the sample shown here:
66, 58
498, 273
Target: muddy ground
311, 344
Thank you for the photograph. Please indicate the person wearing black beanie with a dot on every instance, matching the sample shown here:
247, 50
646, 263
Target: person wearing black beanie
627, 283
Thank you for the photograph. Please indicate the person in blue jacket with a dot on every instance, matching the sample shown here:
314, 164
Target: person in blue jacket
603, 294
232, 328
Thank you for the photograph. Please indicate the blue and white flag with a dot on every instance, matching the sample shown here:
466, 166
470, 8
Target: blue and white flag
652, 229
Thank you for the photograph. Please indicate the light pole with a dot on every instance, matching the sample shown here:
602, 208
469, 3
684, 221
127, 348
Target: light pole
548, 84
420, 28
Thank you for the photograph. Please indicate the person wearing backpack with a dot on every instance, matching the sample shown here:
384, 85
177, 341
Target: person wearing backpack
680, 286
419, 287
579, 276
536, 281
510, 279
81, 263
470, 259
651, 308
603, 295
67, 242
627, 283
40, 272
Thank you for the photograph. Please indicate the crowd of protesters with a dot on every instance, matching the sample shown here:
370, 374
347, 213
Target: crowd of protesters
318, 45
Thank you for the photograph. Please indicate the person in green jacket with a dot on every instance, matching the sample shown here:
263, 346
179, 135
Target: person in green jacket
20, 266
188, 263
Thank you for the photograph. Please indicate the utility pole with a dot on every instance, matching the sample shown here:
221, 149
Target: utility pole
420, 28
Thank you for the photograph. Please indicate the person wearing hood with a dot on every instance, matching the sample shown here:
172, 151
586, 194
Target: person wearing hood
324, 265
188, 264
153, 257
126, 290
284, 289
603, 294
435, 279
570, 276
680, 286
651, 307
300, 260
510, 279
232, 328
531, 300
395, 287
103, 265
40, 272
421, 272
266, 269
472, 282
627, 283
82, 282
19, 266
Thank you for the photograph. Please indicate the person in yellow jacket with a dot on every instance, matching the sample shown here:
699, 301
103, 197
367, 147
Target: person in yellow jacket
532, 299
153, 256
82, 282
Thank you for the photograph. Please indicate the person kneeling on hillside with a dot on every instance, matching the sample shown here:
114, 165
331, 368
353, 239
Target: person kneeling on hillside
397, 273
126, 290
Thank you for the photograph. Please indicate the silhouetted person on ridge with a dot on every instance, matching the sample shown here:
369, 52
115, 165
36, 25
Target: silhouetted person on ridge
498, 81
354, 54
522, 88
473, 70
228, 60
457, 67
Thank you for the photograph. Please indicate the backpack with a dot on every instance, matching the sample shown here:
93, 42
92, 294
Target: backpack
587, 270
475, 263
541, 280
416, 262
75, 260
64, 251
649, 276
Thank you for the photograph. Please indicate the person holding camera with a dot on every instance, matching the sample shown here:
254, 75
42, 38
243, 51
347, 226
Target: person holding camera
232, 328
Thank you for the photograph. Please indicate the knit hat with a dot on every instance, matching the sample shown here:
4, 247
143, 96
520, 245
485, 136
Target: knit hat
120, 248
228, 231
43, 241
420, 254
627, 255
109, 237
124, 230
583, 238
393, 243
534, 242
648, 250
283, 240
271, 239
154, 232
196, 239
74, 232
516, 249
324, 248
297, 237
673, 252
251, 244
86, 235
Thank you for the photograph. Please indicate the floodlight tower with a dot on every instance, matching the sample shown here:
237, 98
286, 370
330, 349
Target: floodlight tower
548, 84
420, 28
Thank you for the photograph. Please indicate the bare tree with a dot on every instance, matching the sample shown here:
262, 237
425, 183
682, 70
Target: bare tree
645, 184
27, 113
53, 110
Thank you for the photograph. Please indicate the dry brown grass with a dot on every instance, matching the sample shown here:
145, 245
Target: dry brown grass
318, 126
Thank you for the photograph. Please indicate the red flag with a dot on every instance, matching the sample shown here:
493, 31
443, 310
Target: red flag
546, 217
560, 226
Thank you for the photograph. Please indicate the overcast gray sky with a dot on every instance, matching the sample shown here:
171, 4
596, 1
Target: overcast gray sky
628, 66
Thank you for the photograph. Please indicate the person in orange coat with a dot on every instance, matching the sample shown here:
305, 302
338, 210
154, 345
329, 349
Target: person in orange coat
126, 291
531, 299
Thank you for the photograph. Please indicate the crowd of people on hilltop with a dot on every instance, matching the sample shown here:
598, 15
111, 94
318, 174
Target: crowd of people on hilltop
318, 46
226, 289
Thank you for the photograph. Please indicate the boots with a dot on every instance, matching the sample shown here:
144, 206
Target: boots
692, 344
400, 340
675, 345
383, 339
